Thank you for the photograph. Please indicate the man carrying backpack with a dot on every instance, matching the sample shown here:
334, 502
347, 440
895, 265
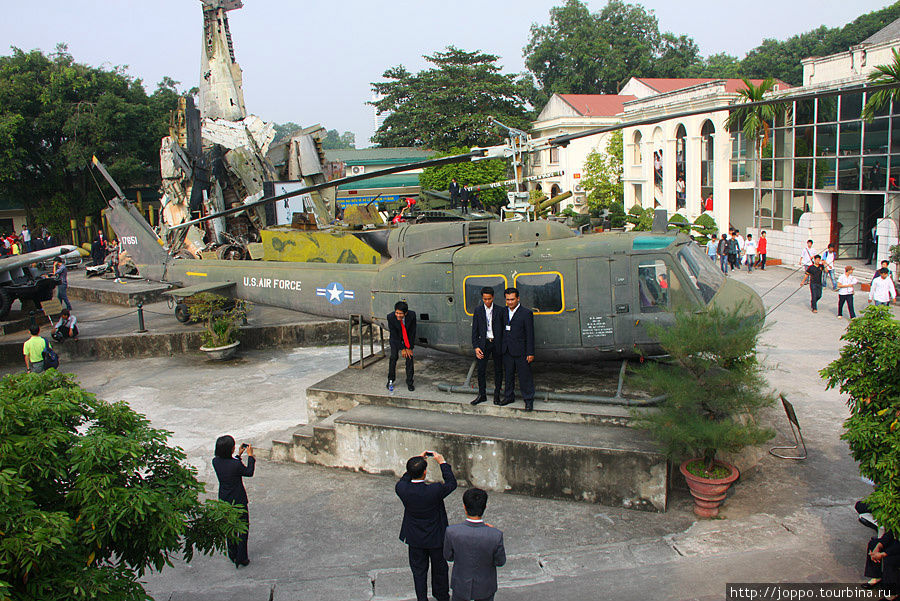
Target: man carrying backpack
33, 349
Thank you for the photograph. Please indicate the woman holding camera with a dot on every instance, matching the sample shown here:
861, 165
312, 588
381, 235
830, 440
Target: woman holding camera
230, 471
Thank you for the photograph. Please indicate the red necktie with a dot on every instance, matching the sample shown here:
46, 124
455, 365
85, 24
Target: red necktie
405, 337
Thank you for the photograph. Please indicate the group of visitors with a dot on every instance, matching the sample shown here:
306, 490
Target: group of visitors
818, 270
506, 335
24, 242
733, 250
474, 546
463, 197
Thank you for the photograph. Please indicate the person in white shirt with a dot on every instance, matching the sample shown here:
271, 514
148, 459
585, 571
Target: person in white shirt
26, 238
845, 292
750, 252
65, 327
882, 291
487, 333
828, 261
806, 259
712, 248
741, 242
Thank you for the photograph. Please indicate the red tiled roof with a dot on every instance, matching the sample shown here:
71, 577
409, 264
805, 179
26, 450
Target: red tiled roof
663, 85
596, 105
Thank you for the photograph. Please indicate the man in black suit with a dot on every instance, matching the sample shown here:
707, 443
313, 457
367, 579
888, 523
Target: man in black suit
453, 189
518, 349
424, 524
464, 195
402, 329
487, 334
476, 550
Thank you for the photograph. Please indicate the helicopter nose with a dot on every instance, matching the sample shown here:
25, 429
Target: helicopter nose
735, 294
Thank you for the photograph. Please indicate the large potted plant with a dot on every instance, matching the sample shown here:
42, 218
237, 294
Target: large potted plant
221, 317
714, 391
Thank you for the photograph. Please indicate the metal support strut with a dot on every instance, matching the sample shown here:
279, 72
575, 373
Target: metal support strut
547, 395
364, 330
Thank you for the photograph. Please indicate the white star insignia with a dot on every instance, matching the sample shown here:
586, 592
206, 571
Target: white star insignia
334, 293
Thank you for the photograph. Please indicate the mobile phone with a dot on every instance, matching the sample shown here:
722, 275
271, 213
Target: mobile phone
429, 453
244, 445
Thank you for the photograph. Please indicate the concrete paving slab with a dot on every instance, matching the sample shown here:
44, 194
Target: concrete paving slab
240, 592
501, 428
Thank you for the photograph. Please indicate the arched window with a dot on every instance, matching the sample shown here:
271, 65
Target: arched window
707, 160
680, 167
658, 141
637, 147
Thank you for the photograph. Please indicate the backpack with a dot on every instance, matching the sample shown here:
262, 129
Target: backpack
51, 359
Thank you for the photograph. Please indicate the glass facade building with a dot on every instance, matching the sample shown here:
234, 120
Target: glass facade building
822, 146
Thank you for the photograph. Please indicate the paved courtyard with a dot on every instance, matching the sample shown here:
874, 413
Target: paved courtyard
325, 534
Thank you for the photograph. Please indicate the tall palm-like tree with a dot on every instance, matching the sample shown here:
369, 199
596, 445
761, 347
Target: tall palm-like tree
755, 123
883, 75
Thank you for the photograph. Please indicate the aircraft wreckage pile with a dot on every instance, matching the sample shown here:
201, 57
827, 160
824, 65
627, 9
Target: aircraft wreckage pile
216, 156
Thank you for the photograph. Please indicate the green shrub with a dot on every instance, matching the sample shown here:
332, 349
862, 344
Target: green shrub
868, 370
713, 384
92, 496
222, 315
706, 228
680, 222
640, 218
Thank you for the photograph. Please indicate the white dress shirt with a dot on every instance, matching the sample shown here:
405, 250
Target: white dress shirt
489, 315
511, 312
844, 280
882, 290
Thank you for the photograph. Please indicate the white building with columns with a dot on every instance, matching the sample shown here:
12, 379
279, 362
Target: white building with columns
685, 165
569, 114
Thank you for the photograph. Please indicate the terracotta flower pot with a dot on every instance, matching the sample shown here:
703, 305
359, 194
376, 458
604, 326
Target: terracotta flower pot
708, 493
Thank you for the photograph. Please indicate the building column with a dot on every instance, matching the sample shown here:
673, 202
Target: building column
692, 155
722, 176
669, 201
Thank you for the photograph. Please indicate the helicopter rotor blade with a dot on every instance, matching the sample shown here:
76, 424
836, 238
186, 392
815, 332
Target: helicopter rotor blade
457, 158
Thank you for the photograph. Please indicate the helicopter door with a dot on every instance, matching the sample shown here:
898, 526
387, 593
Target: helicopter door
660, 293
595, 306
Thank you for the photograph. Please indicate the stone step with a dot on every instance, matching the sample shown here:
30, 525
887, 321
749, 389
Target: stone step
351, 387
610, 465
601, 464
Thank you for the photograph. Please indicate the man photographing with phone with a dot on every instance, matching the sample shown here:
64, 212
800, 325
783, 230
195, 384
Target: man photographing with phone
424, 523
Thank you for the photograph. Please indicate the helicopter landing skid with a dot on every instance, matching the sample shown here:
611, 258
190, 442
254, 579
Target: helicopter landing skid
547, 395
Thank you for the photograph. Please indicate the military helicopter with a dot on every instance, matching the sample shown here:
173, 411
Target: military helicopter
594, 296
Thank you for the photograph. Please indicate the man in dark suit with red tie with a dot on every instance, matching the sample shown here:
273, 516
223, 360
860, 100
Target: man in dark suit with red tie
518, 348
402, 329
487, 334
424, 524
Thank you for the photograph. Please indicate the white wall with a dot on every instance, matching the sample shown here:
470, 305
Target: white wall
643, 174
853, 64
788, 244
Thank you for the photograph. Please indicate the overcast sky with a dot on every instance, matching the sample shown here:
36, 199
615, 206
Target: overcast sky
312, 62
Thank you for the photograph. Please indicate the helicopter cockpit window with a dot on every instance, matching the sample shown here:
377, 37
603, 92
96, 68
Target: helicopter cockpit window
703, 273
542, 292
474, 284
659, 288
